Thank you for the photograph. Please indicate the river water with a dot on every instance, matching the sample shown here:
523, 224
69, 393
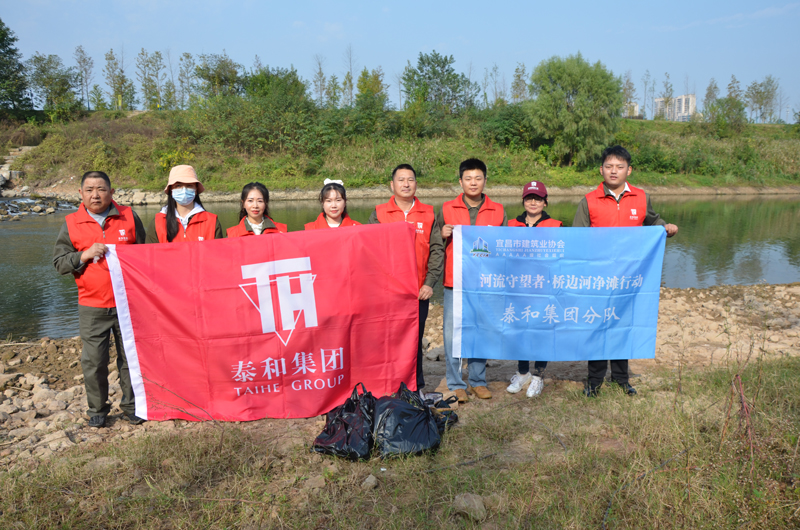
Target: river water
735, 240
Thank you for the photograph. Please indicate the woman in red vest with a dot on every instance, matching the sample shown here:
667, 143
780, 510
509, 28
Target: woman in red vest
184, 218
534, 199
254, 216
333, 199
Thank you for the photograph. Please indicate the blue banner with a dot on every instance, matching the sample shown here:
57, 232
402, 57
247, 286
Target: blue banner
556, 294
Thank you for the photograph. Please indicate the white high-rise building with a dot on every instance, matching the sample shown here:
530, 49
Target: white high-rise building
680, 108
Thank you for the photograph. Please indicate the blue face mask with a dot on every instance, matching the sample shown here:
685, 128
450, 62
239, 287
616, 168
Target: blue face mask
183, 196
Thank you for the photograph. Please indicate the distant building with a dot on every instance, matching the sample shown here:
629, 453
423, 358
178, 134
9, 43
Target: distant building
680, 108
631, 110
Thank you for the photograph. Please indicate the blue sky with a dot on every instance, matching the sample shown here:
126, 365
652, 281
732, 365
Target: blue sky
700, 40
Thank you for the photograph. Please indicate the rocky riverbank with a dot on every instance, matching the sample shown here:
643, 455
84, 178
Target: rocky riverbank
43, 403
66, 190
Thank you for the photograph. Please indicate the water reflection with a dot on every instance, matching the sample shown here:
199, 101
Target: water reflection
731, 240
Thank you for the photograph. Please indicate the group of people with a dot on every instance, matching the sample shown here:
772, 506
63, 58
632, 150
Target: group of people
81, 246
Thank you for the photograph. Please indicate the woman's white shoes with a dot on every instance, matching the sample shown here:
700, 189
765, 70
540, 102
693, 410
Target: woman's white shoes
518, 382
535, 388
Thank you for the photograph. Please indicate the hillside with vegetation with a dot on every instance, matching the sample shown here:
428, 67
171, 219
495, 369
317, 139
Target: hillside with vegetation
139, 150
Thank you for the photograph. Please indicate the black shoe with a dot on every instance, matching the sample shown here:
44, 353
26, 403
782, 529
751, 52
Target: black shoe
134, 419
97, 422
591, 391
627, 388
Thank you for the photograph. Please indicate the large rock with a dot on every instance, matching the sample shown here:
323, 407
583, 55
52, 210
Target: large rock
26, 416
138, 198
9, 409
315, 482
7, 379
370, 483
103, 463
494, 502
42, 396
470, 505
434, 354
22, 432
66, 395
56, 404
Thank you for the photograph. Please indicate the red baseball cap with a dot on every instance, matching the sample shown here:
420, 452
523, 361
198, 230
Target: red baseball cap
534, 188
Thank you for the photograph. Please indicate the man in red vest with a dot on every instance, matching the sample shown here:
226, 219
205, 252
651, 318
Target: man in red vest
404, 206
616, 203
475, 209
80, 250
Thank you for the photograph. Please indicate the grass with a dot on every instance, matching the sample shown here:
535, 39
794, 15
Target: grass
616, 448
138, 151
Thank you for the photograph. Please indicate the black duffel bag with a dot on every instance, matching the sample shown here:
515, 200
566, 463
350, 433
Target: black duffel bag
404, 425
348, 429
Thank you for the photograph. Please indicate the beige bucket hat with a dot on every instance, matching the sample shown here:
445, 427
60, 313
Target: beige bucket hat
184, 174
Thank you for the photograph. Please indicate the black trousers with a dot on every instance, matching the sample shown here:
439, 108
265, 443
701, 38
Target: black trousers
597, 371
423, 316
524, 367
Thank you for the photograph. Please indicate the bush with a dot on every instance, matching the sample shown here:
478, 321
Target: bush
510, 126
15, 135
726, 118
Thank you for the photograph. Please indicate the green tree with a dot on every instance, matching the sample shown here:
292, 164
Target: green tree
320, 80
333, 92
646, 81
667, 93
122, 92
186, 79
85, 66
629, 93
348, 82
371, 103
735, 89
13, 81
276, 83
97, 98
725, 117
519, 86
53, 85
169, 97
497, 81
760, 98
347, 90
371, 90
576, 106
219, 75
712, 93
435, 82
152, 76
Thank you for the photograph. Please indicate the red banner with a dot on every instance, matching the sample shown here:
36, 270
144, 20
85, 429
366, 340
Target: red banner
278, 326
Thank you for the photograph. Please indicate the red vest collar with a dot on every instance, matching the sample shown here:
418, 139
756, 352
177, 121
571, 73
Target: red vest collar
84, 217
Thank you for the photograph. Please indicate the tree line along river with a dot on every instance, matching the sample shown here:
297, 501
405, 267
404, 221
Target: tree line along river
742, 239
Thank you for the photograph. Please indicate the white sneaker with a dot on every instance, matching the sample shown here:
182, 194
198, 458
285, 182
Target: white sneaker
518, 381
535, 388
